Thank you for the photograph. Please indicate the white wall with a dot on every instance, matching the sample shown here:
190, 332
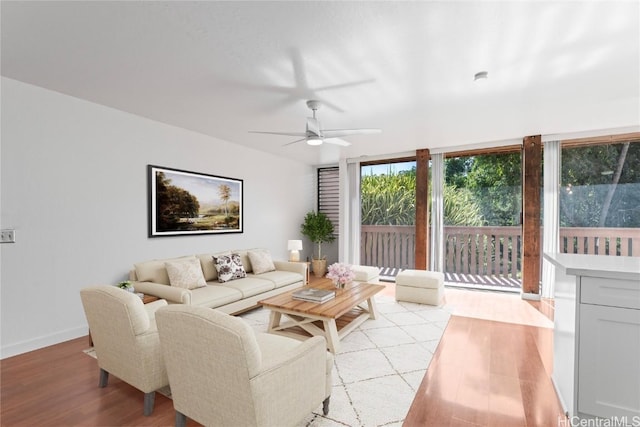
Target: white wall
74, 186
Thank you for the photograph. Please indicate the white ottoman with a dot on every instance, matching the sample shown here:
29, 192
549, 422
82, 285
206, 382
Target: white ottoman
419, 286
365, 273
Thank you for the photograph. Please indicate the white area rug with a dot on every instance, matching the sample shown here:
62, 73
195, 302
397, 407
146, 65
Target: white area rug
380, 364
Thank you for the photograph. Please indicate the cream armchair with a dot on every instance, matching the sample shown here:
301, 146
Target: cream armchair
125, 339
222, 373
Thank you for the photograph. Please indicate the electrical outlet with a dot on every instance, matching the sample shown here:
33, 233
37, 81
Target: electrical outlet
7, 236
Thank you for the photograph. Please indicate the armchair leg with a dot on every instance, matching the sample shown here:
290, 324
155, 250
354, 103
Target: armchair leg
325, 406
149, 400
181, 419
104, 378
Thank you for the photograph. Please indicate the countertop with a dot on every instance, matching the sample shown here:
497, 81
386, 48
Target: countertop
614, 267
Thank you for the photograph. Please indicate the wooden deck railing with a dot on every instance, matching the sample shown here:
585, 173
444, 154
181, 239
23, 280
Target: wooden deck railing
600, 241
390, 246
487, 251
491, 251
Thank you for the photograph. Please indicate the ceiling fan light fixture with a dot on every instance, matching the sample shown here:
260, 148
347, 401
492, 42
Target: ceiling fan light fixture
316, 135
481, 76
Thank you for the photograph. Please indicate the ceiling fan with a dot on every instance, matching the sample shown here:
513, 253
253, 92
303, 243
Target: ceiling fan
315, 135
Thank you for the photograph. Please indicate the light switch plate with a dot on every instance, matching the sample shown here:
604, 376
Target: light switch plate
7, 236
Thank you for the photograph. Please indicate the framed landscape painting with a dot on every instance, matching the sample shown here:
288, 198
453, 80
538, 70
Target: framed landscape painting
185, 203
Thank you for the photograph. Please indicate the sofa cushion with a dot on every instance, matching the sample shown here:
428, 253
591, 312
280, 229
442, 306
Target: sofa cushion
261, 261
209, 265
250, 286
214, 295
279, 278
229, 267
185, 273
155, 270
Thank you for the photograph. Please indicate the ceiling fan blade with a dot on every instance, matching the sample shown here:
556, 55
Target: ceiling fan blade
334, 133
281, 133
336, 141
343, 85
293, 142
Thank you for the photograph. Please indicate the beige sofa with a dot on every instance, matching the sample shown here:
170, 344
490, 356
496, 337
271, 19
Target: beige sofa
234, 296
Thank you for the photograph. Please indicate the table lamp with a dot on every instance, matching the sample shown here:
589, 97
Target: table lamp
294, 246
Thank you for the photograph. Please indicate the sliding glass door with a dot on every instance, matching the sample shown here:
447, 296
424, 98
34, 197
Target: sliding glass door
388, 201
482, 223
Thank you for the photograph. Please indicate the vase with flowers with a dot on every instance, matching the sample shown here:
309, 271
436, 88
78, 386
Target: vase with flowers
341, 274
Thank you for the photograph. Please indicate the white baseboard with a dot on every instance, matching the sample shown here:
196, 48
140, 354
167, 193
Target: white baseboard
41, 342
529, 296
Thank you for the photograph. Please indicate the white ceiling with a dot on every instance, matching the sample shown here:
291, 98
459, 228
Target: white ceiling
224, 68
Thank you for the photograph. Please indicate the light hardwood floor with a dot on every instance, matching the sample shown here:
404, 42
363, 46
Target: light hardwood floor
492, 368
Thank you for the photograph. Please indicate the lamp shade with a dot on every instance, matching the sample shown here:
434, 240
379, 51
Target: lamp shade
294, 245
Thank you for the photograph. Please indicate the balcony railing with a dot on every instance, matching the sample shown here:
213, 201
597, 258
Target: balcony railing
487, 251
388, 246
600, 241
484, 251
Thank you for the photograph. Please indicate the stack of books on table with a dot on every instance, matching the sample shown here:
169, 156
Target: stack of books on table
313, 295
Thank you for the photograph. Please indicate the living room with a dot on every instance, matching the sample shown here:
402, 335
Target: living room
75, 154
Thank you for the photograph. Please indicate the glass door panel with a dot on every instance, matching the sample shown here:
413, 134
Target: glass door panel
388, 201
482, 221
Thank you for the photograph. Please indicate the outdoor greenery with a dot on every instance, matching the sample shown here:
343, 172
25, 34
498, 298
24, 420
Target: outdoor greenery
389, 199
493, 182
601, 188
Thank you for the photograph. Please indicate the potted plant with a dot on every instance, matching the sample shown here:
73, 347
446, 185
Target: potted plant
126, 285
319, 229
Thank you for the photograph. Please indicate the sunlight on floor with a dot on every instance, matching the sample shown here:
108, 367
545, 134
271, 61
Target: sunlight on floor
498, 306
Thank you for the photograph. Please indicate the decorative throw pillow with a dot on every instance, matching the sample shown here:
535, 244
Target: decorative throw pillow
209, 266
229, 267
155, 270
185, 274
261, 261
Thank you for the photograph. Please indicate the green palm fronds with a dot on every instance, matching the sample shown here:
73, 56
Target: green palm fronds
391, 200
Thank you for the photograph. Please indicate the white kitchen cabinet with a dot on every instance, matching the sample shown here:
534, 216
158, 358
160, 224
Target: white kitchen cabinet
609, 361
597, 335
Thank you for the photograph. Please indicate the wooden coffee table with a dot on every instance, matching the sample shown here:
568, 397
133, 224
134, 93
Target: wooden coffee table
333, 319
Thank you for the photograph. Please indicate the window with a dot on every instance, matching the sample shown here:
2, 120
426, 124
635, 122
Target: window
388, 216
600, 198
329, 195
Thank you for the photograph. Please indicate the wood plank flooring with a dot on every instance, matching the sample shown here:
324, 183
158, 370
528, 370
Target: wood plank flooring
491, 368
486, 373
